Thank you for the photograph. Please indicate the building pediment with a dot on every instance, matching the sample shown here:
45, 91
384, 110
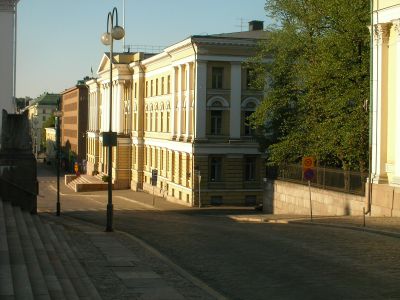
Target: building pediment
104, 63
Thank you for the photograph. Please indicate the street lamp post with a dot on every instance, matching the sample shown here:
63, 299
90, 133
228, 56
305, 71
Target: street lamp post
114, 32
58, 114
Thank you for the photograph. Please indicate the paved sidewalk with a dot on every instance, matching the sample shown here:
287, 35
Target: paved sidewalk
380, 225
122, 266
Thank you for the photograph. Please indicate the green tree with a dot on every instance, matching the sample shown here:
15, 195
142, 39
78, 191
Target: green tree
315, 70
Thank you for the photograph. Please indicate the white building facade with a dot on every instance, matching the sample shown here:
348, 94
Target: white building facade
385, 146
183, 113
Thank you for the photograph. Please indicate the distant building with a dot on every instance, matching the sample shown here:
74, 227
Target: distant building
385, 166
183, 113
74, 121
51, 146
39, 111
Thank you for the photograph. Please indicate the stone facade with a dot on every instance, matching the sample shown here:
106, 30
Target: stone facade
281, 197
181, 112
385, 167
8, 21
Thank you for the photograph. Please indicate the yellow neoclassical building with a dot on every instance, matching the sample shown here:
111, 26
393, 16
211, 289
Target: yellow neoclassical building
385, 167
183, 113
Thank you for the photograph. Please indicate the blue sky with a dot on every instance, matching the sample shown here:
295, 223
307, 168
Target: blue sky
59, 41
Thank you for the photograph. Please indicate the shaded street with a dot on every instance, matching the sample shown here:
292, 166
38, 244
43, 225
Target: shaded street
245, 260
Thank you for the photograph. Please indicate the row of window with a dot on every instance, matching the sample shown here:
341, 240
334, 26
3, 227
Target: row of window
152, 122
217, 119
156, 87
217, 78
216, 169
155, 158
173, 163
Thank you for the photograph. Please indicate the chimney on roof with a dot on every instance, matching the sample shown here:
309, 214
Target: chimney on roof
256, 25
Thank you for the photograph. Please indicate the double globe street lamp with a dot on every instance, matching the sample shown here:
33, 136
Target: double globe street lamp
114, 32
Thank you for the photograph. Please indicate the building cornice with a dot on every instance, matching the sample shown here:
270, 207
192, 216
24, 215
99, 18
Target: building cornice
8, 5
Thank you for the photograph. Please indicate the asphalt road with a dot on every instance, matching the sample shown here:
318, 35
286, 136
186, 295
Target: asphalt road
244, 260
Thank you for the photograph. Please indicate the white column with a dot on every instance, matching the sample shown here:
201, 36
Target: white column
379, 131
396, 178
180, 94
236, 96
200, 100
104, 106
96, 108
188, 100
173, 102
119, 114
115, 105
91, 112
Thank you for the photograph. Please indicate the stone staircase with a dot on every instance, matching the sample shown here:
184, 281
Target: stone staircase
87, 183
36, 260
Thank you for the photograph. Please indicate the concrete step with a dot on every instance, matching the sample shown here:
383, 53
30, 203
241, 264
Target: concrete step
6, 283
19, 270
82, 282
70, 263
45, 232
53, 285
64, 259
39, 287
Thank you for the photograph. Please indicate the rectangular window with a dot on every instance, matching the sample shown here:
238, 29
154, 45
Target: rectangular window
217, 77
250, 77
250, 169
135, 89
151, 121
180, 171
168, 119
162, 122
216, 122
151, 88
150, 160
162, 86
162, 160
156, 158
169, 84
248, 131
157, 87
215, 169
156, 121
167, 161
147, 88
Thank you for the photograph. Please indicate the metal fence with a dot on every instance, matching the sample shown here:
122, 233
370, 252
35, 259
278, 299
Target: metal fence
325, 178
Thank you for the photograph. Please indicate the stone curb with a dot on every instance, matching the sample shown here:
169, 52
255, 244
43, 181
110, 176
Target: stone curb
350, 227
302, 221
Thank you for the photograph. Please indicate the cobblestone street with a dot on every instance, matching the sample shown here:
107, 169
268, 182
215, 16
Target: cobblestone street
245, 260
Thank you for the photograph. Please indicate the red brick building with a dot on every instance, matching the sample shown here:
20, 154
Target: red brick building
74, 122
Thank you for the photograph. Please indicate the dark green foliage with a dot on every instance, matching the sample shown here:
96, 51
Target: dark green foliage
317, 67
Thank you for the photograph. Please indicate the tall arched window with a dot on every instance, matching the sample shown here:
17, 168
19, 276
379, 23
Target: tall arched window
248, 108
216, 106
